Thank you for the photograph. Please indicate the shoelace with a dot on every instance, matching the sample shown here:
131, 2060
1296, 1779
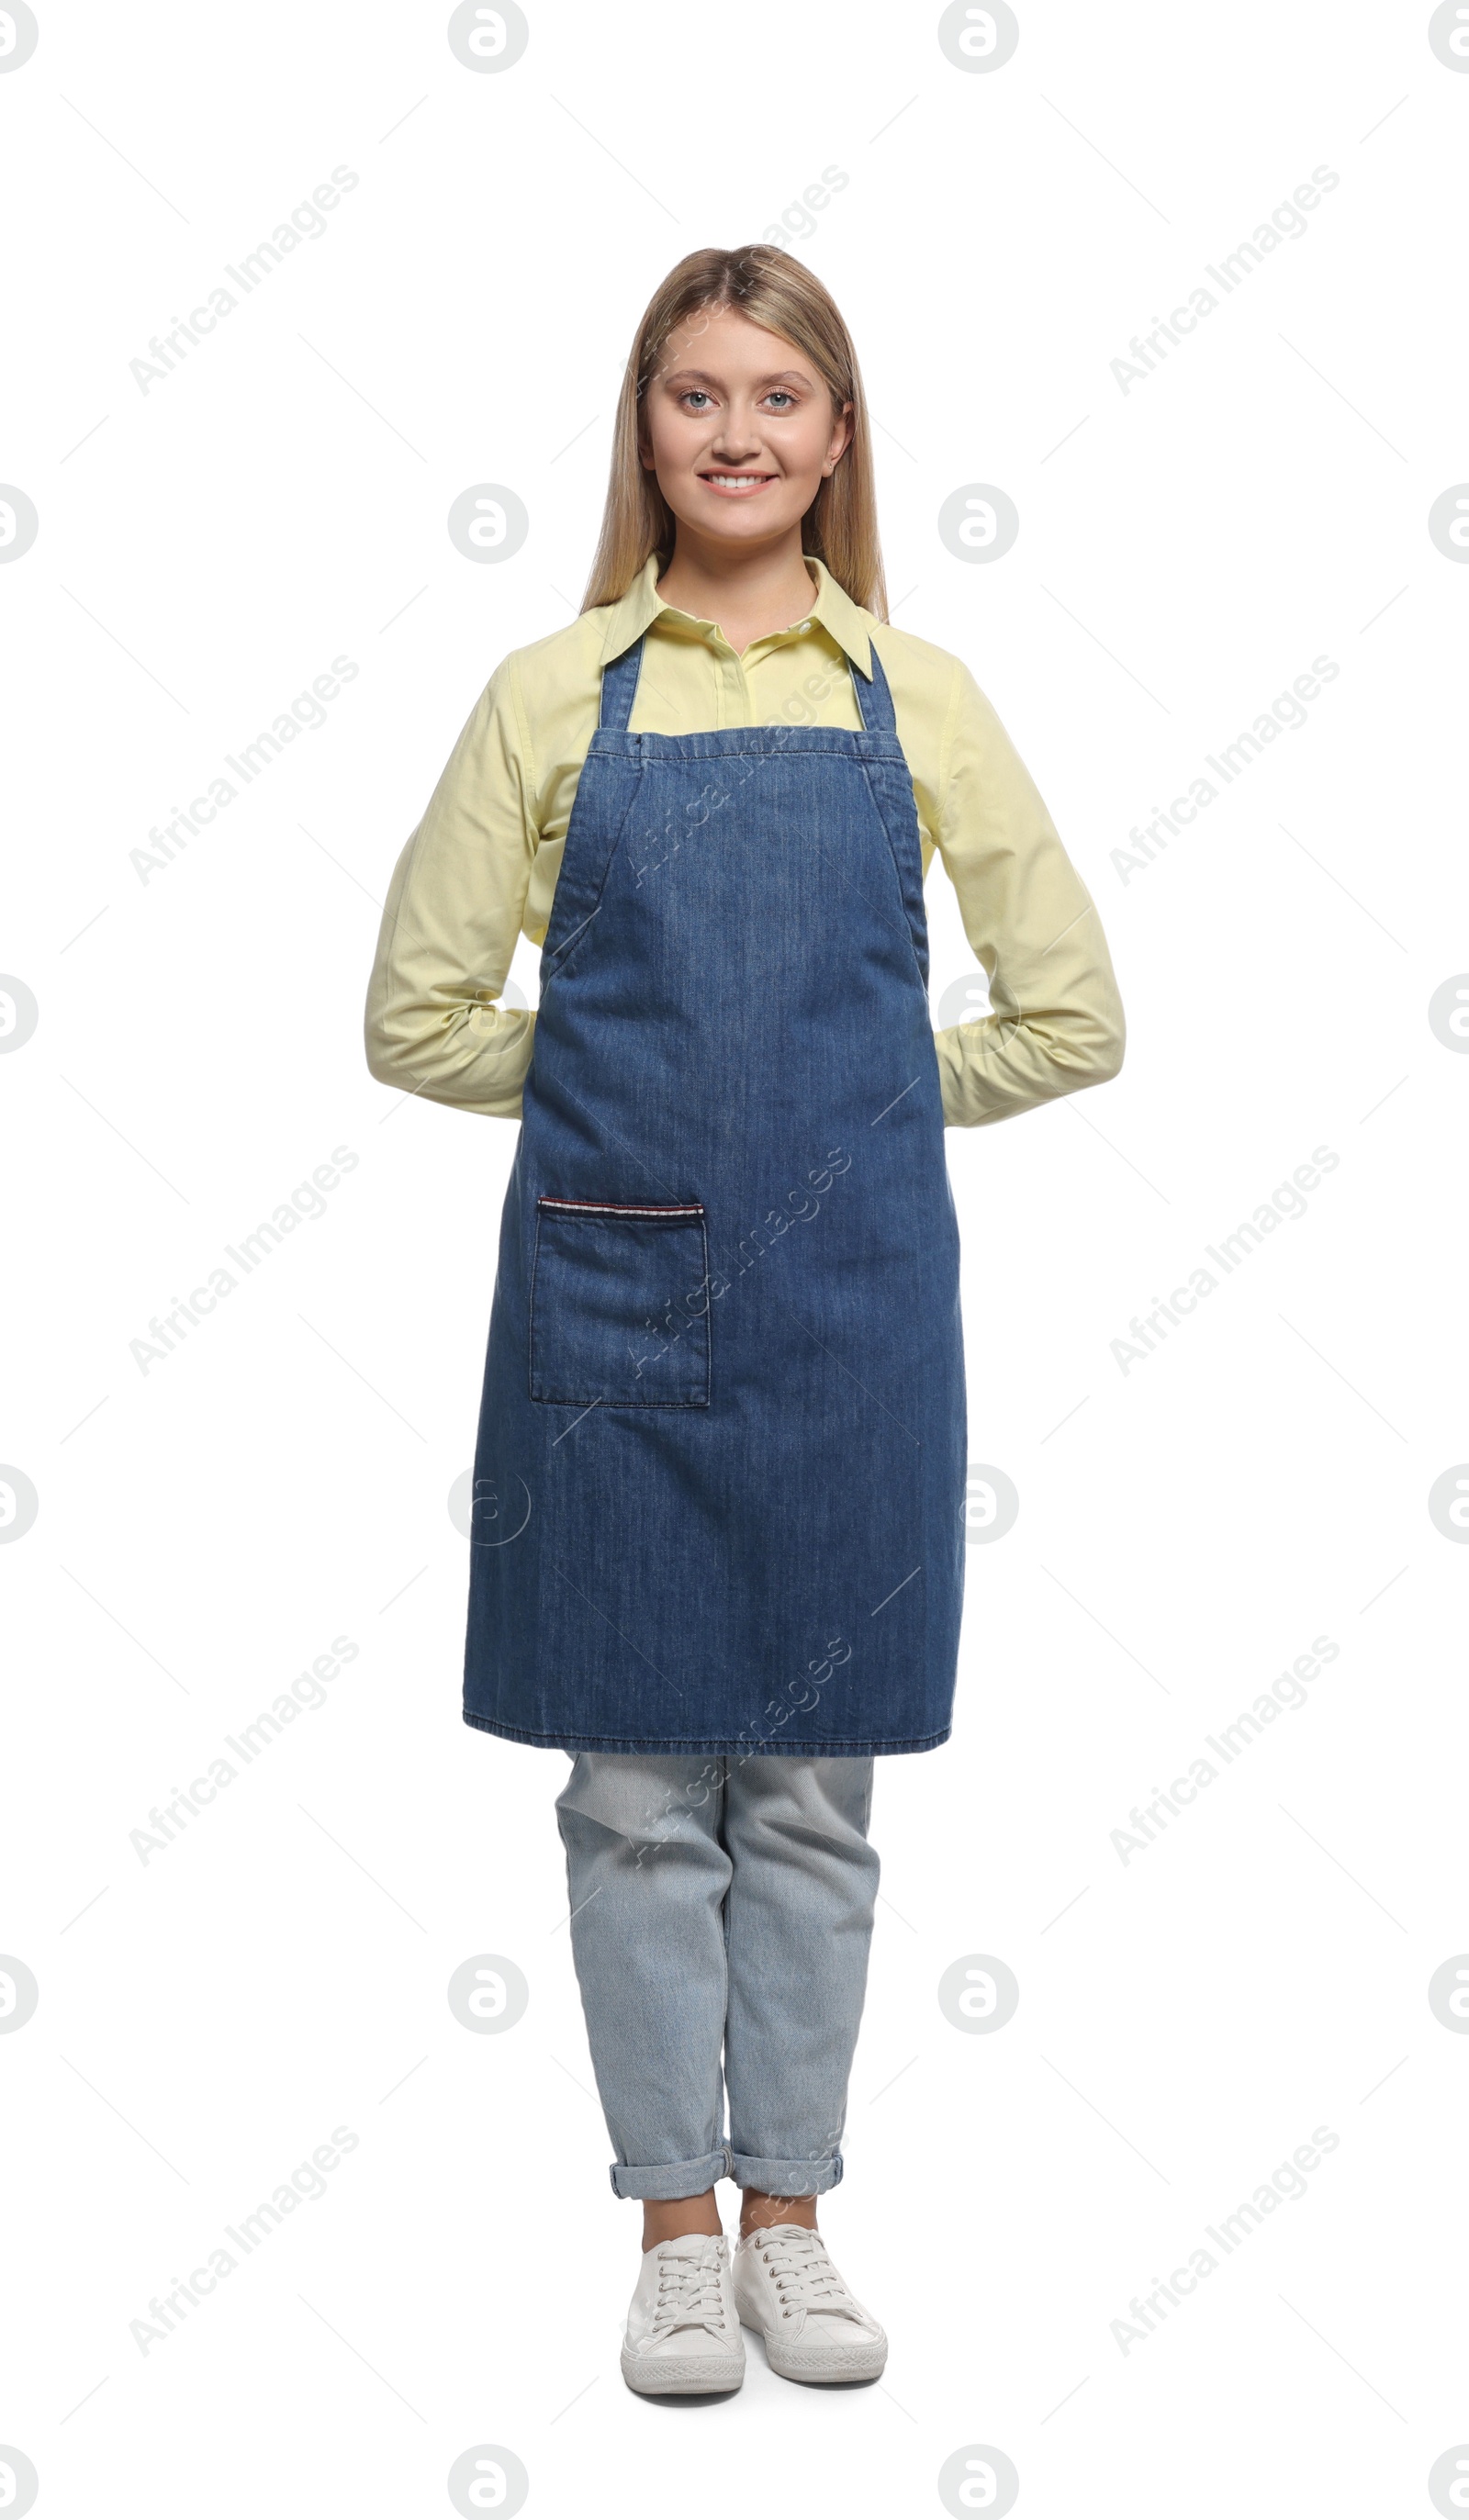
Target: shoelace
804, 2273
689, 2293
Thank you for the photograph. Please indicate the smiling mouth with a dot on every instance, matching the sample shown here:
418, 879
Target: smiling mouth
739, 485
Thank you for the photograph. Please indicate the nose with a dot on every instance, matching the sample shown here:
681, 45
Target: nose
738, 436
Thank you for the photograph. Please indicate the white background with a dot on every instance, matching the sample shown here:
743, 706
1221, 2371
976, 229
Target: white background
1186, 1527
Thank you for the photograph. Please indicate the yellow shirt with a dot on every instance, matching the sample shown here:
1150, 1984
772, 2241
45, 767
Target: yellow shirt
483, 864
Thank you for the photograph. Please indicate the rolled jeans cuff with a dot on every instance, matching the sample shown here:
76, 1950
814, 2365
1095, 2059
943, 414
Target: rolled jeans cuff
662, 2179
786, 2178
666, 2179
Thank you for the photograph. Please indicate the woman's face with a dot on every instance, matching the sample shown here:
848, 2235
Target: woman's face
739, 429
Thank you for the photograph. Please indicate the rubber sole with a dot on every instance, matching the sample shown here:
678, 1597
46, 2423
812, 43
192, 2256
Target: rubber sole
813, 2365
683, 2375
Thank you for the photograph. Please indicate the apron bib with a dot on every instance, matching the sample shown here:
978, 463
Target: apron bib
719, 1473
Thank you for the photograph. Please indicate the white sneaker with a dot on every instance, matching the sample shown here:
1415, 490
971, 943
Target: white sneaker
785, 2287
683, 2333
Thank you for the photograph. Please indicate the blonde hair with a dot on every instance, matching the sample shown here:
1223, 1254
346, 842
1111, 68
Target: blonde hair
777, 291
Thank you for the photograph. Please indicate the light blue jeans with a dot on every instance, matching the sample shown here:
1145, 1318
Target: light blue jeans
720, 1904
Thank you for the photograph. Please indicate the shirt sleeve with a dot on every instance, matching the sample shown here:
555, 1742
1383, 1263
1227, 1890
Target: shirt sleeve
1056, 1021
450, 922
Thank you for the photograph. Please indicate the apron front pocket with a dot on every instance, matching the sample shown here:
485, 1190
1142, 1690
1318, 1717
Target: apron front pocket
620, 1298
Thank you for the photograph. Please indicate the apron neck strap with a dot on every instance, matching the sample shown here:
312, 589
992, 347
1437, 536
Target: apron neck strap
620, 688
874, 699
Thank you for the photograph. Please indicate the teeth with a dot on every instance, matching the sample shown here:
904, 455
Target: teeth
737, 481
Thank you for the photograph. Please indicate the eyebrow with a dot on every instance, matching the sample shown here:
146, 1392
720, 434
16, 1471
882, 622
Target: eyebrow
704, 377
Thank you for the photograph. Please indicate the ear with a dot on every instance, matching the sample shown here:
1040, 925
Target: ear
840, 439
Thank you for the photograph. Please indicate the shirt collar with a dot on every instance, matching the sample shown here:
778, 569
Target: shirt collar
832, 607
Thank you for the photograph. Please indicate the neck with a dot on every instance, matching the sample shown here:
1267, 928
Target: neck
747, 594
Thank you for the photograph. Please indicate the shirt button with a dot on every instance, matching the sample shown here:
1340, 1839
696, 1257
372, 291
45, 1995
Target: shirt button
805, 627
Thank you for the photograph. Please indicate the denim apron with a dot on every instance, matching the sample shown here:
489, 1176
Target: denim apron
719, 1473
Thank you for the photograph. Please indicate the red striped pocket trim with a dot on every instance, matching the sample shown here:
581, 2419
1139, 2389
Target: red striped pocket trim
623, 1207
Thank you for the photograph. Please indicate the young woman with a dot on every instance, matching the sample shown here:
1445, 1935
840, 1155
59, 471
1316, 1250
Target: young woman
717, 1545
